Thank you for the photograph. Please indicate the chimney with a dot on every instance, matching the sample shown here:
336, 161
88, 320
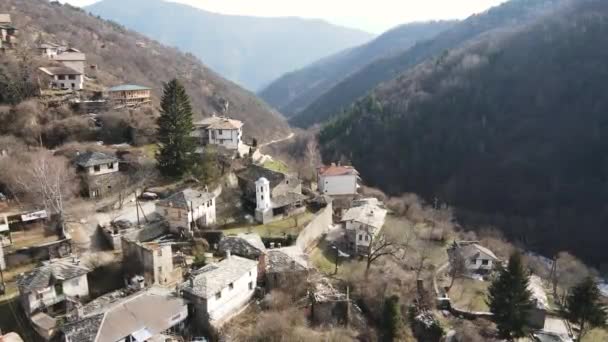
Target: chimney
191, 281
272, 245
279, 245
228, 254
333, 164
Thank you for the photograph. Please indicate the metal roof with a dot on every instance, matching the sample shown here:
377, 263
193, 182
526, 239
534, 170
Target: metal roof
128, 87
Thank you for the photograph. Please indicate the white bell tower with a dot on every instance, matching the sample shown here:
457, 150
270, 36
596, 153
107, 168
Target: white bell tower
262, 194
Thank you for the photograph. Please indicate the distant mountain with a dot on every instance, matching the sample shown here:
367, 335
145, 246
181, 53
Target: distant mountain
295, 91
123, 56
358, 84
511, 129
248, 50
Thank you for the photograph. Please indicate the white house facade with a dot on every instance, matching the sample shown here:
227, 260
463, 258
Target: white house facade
52, 284
186, 208
362, 225
477, 258
335, 180
221, 131
63, 78
219, 291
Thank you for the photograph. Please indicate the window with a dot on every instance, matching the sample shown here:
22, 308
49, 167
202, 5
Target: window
71, 77
262, 189
111, 166
218, 295
473, 261
262, 197
160, 269
159, 253
221, 131
73, 85
39, 295
360, 237
231, 286
366, 237
58, 289
250, 273
485, 262
96, 168
61, 77
251, 285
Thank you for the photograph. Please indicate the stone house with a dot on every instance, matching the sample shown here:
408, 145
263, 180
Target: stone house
221, 131
100, 174
50, 50
8, 32
362, 224
188, 209
62, 78
248, 246
221, 290
477, 258
274, 195
149, 315
286, 268
147, 255
129, 95
335, 180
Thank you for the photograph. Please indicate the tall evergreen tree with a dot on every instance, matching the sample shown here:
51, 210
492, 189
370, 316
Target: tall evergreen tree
509, 299
584, 308
176, 155
392, 318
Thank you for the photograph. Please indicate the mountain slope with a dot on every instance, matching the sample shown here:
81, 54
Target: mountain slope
247, 50
513, 130
357, 85
124, 56
294, 91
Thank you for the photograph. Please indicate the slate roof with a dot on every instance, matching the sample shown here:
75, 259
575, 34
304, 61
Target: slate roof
49, 45
337, 170
287, 199
368, 214
288, 259
254, 172
89, 159
183, 198
214, 277
153, 310
40, 278
471, 250
128, 87
219, 122
61, 70
70, 57
245, 245
5, 18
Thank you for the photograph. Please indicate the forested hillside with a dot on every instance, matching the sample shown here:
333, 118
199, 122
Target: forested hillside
296, 90
248, 50
502, 17
123, 56
513, 130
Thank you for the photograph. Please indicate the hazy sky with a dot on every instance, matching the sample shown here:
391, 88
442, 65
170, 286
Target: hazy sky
369, 15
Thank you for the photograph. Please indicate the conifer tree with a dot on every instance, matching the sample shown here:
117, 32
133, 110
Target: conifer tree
509, 299
176, 155
583, 307
392, 318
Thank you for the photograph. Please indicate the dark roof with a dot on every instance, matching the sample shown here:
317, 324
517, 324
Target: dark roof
255, 172
279, 262
60, 70
40, 278
183, 198
245, 245
287, 199
84, 330
89, 159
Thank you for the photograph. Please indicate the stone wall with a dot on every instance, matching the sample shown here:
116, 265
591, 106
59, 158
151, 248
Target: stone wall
320, 225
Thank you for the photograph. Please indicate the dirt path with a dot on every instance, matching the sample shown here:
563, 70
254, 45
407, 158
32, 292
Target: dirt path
290, 136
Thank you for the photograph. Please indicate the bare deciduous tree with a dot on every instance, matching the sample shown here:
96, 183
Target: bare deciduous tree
458, 268
385, 245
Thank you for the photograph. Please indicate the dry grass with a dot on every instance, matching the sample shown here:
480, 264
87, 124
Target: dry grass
596, 335
469, 294
275, 229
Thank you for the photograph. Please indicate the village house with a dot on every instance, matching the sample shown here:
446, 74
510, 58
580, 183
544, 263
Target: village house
155, 314
48, 290
8, 32
99, 172
62, 78
220, 131
273, 195
538, 313
146, 253
248, 246
362, 224
50, 50
477, 258
286, 268
221, 290
335, 180
188, 209
129, 95
72, 59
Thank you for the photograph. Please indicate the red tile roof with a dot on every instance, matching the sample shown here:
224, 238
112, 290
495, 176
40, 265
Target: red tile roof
337, 170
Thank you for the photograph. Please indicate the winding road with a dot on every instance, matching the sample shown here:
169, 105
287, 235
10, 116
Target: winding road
290, 136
